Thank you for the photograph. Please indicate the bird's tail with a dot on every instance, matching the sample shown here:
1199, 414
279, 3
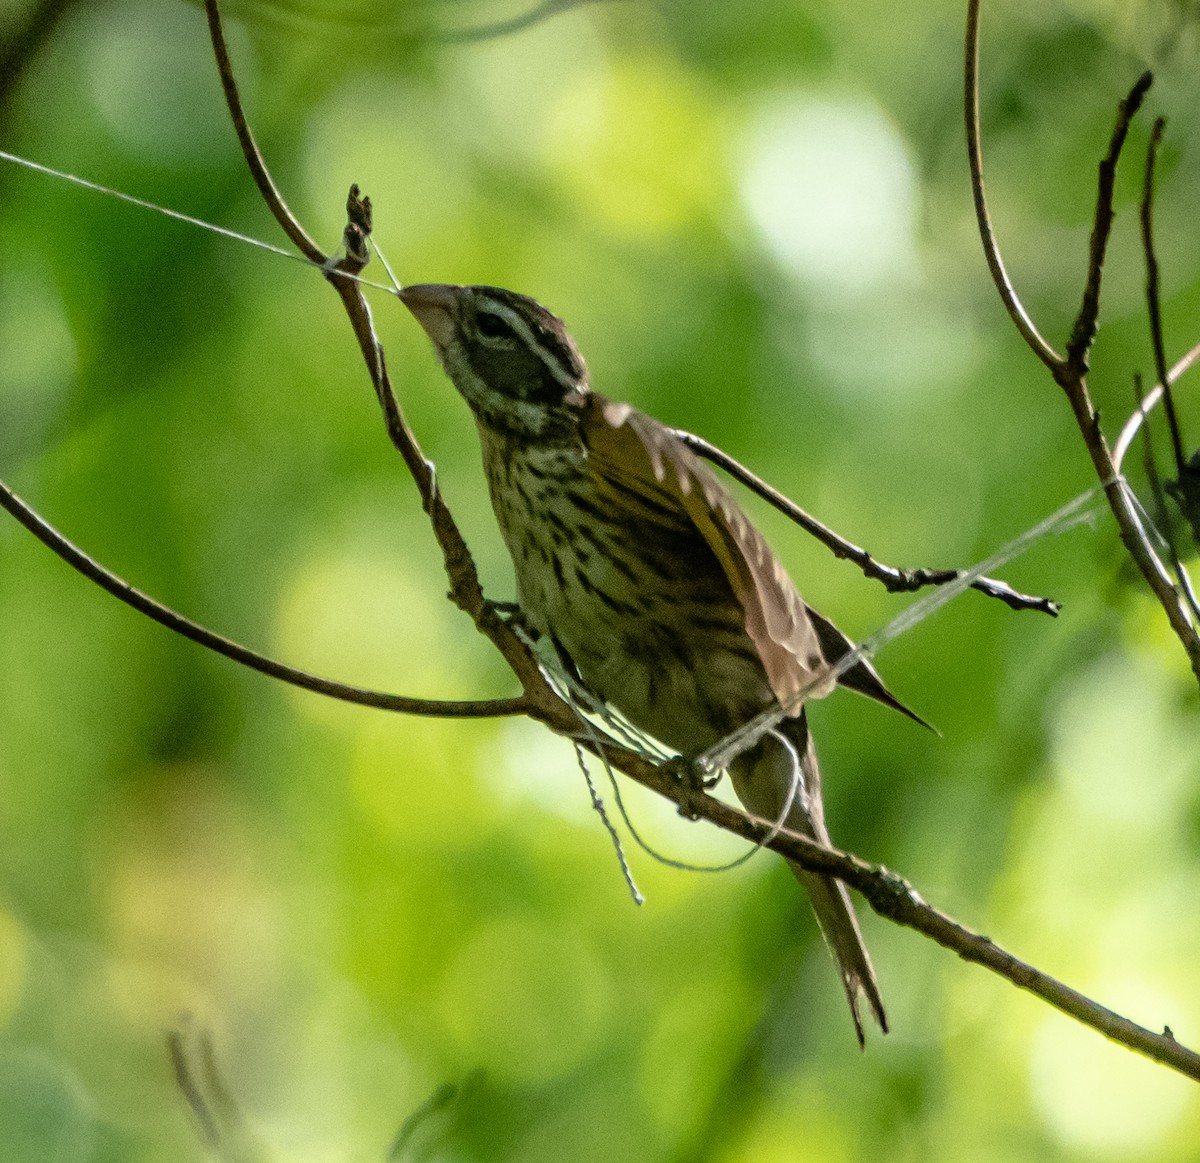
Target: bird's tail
763, 780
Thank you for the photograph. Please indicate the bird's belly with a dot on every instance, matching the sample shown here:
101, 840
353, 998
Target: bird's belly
681, 669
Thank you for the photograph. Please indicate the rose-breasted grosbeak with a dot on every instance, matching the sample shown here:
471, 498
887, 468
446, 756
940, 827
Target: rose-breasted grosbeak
651, 582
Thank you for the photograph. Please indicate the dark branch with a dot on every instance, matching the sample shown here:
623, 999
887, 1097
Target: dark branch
165, 616
1153, 306
1083, 333
1161, 515
1184, 364
1070, 372
1185, 488
894, 580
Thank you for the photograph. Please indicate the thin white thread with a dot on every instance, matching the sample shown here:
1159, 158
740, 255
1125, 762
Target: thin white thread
387, 266
720, 755
614, 835
224, 231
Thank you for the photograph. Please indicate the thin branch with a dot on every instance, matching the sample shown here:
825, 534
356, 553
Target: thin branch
1134, 423
1163, 516
894, 580
465, 589
1152, 299
254, 159
1083, 332
894, 899
991, 250
1070, 372
165, 616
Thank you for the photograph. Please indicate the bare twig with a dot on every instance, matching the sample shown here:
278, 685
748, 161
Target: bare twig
896, 900
1163, 516
1153, 306
254, 159
465, 590
1135, 422
1070, 371
894, 580
1083, 332
165, 616
1185, 488
1008, 295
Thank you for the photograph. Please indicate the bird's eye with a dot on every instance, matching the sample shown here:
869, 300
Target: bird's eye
493, 326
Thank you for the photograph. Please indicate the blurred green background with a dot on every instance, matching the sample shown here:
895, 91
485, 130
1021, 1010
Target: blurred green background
756, 221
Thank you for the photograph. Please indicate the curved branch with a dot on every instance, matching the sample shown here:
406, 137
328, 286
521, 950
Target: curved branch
465, 589
895, 581
1008, 294
165, 616
1070, 371
1134, 423
254, 159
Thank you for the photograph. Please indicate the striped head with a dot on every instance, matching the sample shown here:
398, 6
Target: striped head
511, 359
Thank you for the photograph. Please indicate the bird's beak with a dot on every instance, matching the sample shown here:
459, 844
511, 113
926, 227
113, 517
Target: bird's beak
435, 307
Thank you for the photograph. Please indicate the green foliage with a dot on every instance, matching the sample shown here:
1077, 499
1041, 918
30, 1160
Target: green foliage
756, 221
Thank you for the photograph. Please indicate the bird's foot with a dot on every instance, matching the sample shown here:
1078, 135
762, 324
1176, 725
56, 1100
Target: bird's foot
511, 614
691, 784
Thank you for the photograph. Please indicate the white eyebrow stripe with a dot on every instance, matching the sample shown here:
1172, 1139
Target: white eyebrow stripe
522, 328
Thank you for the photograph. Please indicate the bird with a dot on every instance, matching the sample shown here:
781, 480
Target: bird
653, 585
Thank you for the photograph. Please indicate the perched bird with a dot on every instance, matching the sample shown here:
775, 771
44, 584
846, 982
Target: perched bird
652, 584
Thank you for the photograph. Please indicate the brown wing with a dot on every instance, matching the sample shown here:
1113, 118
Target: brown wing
640, 449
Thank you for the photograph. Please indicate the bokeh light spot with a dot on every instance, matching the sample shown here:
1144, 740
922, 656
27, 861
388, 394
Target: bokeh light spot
831, 190
1104, 1099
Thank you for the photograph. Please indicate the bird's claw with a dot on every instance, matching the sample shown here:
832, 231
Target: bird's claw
511, 614
691, 783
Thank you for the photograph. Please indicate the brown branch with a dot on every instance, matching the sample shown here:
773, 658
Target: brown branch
1070, 372
991, 250
254, 159
894, 899
465, 589
1162, 515
893, 579
165, 616
1185, 488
